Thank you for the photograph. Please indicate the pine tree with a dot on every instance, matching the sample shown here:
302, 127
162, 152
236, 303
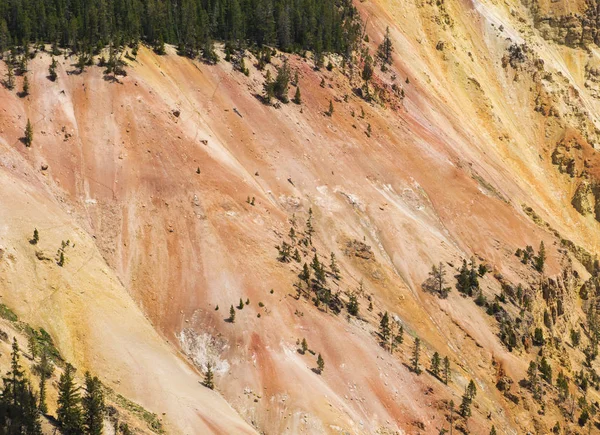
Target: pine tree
367, 74
446, 370
268, 88
44, 370
540, 260
241, 305
320, 364
282, 83
232, 314
305, 274
297, 96
209, 377
52, 75
28, 134
384, 329
546, 370
304, 346
467, 399
562, 383
353, 305
438, 275
435, 364
33, 346
10, 76
385, 50
93, 406
493, 430
415, 357
533, 380
25, 87
310, 230
330, 111
36, 237
335, 270
69, 404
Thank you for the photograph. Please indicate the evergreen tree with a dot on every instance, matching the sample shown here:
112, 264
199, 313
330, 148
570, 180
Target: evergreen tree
36, 237
69, 413
320, 364
52, 75
384, 52
540, 260
467, 399
25, 87
330, 111
446, 370
546, 370
232, 314
44, 370
533, 380
353, 305
28, 134
335, 270
209, 377
297, 97
384, 328
305, 274
414, 362
438, 275
93, 406
268, 88
304, 346
282, 83
367, 74
493, 430
10, 76
562, 383
435, 364
18, 405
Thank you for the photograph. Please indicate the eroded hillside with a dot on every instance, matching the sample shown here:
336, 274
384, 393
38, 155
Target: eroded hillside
176, 184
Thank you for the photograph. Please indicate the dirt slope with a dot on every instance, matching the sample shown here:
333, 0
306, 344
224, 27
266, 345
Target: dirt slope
447, 173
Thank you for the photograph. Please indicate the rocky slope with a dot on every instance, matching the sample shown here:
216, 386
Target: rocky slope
481, 140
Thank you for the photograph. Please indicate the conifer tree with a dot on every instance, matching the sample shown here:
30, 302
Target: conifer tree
353, 305
320, 364
52, 70
384, 328
435, 364
330, 111
438, 275
384, 52
93, 406
69, 414
367, 74
282, 83
493, 430
304, 346
232, 314
209, 377
446, 370
540, 260
297, 96
268, 88
335, 270
467, 399
25, 87
415, 365
28, 134
36, 237
305, 274
10, 76
44, 370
